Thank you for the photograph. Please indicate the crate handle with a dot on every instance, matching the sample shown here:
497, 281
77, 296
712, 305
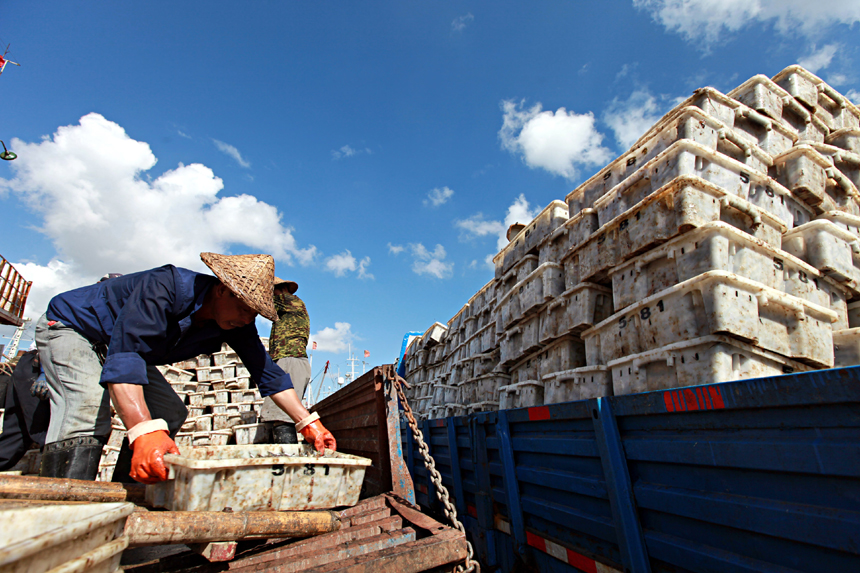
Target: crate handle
560, 301
733, 137
738, 204
842, 180
794, 105
754, 117
832, 94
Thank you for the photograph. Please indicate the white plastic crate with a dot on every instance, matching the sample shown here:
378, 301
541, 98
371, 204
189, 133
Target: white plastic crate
519, 340
847, 139
580, 227
853, 315
544, 284
846, 347
575, 310
434, 334
248, 434
845, 173
705, 360
685, 203
483, 388
829, 248
172, 374
548, 220
59, 537
831, 107
803, 171
486, 406
771, 136
577, 384
262, 477
765, 96
521, 395
850, 223
717, 302
566, 353
716, 247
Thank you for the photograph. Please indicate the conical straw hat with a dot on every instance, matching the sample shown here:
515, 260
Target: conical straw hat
250, 277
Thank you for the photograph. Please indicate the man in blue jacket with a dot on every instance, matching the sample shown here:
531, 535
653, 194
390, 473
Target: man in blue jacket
102, 343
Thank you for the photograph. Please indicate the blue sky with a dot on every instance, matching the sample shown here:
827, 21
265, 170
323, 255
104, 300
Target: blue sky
377, 149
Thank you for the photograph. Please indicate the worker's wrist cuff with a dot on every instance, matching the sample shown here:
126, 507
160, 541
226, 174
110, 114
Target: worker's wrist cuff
312, 418
146, 427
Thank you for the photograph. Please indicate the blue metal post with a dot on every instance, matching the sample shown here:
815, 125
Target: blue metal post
484, 495
512, 490
630, 539
456, 476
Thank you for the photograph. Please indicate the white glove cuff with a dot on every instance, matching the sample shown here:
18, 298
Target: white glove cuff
146, 427
312, 418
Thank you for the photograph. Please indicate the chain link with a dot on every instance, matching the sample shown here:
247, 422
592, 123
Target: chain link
471, 564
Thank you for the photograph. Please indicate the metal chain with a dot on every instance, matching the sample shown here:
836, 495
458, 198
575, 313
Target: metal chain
471, 564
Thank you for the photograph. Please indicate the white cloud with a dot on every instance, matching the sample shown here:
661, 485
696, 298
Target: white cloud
340, 264
362, 269
395, 249
557, 142
348, 151
345, 262
231, 151
477, 226
460, 22
183, 134
819, 59
430, 262
87, 184
705, 21
631, 118
854, 96
437, 196
335, 339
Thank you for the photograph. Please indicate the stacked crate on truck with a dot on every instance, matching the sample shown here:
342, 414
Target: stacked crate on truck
723, 245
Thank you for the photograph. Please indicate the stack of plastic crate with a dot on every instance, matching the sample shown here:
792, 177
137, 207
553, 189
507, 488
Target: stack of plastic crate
724, 244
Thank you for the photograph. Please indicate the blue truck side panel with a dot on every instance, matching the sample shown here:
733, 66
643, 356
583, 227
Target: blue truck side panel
755, 475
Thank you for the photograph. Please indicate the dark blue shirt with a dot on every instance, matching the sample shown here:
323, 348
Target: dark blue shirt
145, 319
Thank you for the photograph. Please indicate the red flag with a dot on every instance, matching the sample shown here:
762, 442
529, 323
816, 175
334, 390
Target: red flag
315, 345
2, 61
367, 353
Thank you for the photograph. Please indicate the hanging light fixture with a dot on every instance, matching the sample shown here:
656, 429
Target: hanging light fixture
6, 154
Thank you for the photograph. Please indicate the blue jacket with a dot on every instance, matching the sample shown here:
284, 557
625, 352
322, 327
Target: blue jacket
145, 319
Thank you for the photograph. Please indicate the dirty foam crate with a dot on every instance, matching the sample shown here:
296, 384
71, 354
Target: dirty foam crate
575, 310
847, 139
705, 360
685, 203
846, 347
831, 107
486, 406
579, 228
772, 136
717, 302
829, 248
172, 374
566, 353
63, 538
544, 284
716, 247
577, 384
261, 477
553, 216
483, 388
847, 166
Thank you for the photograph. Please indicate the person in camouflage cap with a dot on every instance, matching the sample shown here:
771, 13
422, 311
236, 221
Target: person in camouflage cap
288, 343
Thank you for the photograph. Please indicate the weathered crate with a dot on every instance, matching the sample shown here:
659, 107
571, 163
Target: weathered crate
544, 284
575, 310
717, 302
829, 248
521, 395
519, 340
803, 171
847, 139
484, 388
704, 360
577, 384
846, 347
716, 246
827, 104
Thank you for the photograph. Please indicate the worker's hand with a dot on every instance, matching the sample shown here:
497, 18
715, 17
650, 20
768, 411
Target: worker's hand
316, 434
147, 463
39, 388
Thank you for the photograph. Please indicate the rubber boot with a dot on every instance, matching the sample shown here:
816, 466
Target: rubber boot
75, 458
285, 434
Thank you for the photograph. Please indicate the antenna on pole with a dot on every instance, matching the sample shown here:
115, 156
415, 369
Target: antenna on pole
4, 61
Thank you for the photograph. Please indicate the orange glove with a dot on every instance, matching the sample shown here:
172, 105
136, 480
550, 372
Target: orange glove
147, 462
316, 434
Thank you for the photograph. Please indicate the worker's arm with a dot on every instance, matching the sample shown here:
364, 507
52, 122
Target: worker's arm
148, 438
307, 424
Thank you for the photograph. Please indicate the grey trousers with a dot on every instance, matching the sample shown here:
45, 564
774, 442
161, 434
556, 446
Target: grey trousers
299, 370
80, 406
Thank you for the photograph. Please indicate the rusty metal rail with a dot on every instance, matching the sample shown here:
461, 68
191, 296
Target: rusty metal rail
382, 533
14, 291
